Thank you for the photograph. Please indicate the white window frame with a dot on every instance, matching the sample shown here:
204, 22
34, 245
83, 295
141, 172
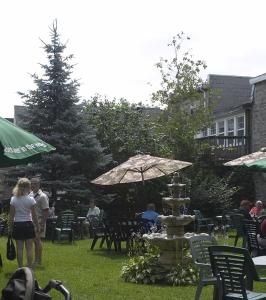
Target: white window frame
225, 133
244, 125
209, 130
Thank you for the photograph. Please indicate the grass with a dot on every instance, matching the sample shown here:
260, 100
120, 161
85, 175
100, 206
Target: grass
95, 275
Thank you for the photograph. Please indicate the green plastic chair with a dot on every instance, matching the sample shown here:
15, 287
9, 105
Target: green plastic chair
64, 226
202, 223
237, 221
235, 272
199, 250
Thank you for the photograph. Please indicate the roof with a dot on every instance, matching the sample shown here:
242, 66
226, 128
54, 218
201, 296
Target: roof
229, 92
20, 111
258, 79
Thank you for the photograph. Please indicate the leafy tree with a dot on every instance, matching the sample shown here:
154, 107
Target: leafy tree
123, 129
53, 113
210, 193
182, 95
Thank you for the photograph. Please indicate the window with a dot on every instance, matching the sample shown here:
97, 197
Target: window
204, 132
221, 128
240, 126
212, 130
221, 132
230, 131
230, 127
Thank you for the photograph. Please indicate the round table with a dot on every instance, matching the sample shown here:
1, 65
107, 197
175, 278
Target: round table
260, 262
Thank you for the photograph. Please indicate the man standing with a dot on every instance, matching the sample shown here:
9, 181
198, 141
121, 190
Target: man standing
42, 210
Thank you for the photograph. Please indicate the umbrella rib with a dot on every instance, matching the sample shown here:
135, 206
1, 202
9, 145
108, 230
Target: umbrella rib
123, 176
160, 170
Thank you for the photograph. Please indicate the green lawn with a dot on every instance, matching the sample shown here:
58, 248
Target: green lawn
95, 275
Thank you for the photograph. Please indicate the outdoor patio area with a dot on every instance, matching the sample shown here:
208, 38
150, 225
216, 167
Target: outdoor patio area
96, 274
128, 169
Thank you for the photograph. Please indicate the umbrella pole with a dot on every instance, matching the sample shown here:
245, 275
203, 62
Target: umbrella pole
142, 176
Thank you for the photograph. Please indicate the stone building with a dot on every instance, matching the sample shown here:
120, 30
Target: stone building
258, 128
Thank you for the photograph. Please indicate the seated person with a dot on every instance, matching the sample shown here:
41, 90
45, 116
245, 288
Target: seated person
93, 210
255, 211
51, 211
262, 236
262, 212
150, 215
244, 209
93, 218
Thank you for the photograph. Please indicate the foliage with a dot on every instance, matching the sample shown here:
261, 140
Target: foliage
143, 268
123, 129
243, 178
208, 192
183, 274
54, 115
146, 269
182, 95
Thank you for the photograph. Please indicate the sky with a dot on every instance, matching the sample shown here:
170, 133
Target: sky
116, 43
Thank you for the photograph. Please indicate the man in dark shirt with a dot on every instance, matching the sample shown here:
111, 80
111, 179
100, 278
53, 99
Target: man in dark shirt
244, 209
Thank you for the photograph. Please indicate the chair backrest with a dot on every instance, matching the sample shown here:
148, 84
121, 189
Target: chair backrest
251, 229
65, 219
251, 226
237, 222
199, 218
3, 226
199, 245
198, 214
231, 265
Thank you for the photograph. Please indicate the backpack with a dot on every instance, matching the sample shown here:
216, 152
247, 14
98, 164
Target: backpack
23, 286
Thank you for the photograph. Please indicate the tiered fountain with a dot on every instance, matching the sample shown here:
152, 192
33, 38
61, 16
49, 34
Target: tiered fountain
172, 242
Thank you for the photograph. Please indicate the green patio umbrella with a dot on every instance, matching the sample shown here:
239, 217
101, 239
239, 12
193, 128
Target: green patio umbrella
254, 161
259, 165
18, 146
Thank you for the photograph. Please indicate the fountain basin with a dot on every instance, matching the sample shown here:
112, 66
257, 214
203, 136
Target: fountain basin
181, 220
175, 224
171, 249
176, 201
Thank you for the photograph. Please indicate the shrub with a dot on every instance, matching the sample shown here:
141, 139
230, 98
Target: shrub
147, 269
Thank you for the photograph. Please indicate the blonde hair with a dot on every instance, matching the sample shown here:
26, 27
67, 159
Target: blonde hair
22, 187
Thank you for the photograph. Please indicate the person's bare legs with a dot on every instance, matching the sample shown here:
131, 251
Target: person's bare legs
28, 244
38, 250
20, 245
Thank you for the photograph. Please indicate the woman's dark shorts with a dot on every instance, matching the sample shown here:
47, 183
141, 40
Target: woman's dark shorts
23, 230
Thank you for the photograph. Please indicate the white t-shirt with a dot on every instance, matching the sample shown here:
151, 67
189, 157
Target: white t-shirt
94, 211
23, 206
42, 202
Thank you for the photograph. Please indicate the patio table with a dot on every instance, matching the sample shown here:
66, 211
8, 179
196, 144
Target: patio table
260, 262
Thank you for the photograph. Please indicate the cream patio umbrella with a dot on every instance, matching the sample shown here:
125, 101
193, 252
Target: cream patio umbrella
140, 168
247, 160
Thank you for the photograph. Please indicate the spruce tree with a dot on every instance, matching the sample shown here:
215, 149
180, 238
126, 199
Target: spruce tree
53, 114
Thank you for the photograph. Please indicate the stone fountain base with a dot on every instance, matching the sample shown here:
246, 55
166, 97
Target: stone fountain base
171, 249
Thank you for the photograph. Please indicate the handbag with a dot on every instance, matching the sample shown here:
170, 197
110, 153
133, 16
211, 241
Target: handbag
10, 248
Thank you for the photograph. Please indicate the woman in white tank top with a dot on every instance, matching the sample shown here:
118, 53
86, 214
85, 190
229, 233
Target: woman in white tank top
22, 213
